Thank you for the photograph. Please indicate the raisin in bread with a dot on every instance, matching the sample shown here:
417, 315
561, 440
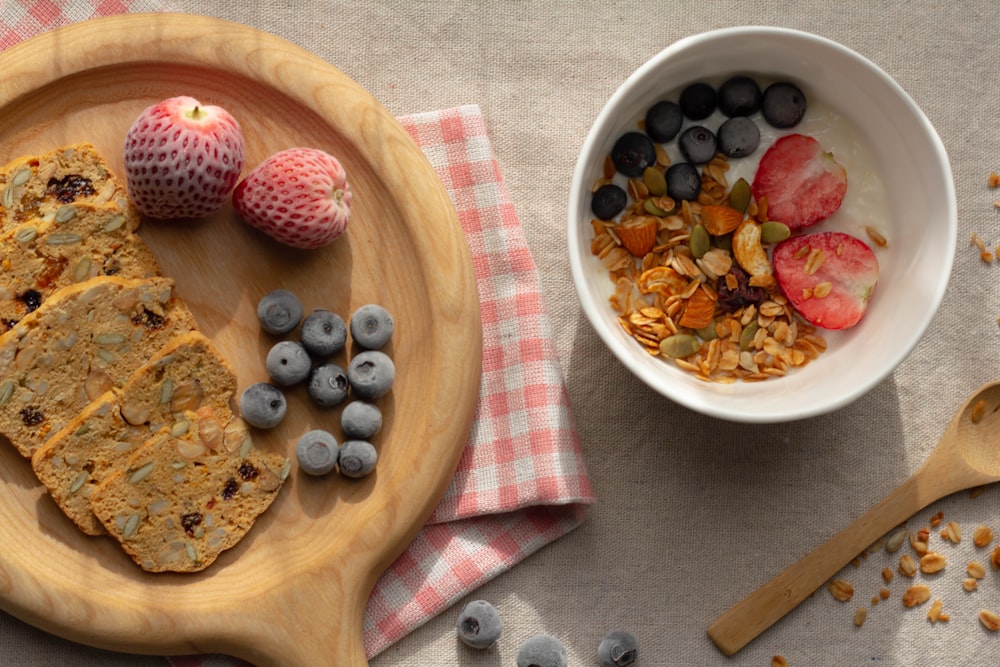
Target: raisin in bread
185, 496
187, 374
84, 340
39, 185
83, 241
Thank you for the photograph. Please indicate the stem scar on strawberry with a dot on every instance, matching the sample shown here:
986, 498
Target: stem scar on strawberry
803, 183
298, 196
829, 277
182, 159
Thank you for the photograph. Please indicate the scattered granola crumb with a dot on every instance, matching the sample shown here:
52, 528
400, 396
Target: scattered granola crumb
994, 179
916, 594
841, 590
779, 661
935, 521
934, 613
990, 620
970, 584
859, 616
982, 536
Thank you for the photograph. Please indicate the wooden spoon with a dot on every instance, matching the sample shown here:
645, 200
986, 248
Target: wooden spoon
968, 455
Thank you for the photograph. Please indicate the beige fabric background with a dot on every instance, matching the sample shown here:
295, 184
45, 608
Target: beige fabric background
692, 513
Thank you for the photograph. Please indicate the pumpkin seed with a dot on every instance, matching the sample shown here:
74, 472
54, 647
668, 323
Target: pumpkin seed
774, 232
65, 213
748, 334
707, 333
78, 482
82, 269
26, 235
114, 223
131, 526
6, 391
63, 238
700, 242
166, 391
680, 346
141, 473
655, 181
653, 209
106, 356
109, 338
22, 176
739, 196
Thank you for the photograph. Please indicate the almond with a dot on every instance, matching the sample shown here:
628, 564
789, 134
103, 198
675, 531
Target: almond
638, 235
699, 311
719, 220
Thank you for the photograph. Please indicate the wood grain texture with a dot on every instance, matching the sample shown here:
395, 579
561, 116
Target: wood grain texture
294, 591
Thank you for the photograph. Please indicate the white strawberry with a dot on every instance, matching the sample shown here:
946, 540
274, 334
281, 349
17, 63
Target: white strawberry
298, 196
182, 158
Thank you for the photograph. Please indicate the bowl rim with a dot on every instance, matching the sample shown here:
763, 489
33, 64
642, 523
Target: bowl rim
731, 410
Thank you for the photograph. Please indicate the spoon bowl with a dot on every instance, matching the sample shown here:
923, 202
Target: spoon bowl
966, 456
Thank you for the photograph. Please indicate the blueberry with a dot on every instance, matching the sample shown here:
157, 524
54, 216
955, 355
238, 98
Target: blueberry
328, 385
371, 374
263, 405
541, 651
371, 326
279, 311
683, 181
663, 121
617, 649
288, 363
632, 153
698, 144
739, 96
608, 201
323, 333
479, 624
357, 458
738, 137
698, 101
360, 420
317, 452
784, 105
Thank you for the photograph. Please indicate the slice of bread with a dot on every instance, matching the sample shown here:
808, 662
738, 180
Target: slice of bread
38, 185
84, 340
44, 254
188, 373
183, 497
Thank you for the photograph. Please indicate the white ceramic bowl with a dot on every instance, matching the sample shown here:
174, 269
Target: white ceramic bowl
921, 220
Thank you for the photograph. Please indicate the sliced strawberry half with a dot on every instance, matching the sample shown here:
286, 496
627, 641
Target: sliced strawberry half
829, 277
802, 182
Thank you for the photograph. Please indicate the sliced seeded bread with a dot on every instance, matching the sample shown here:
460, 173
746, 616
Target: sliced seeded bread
183, 498
187, 374
84, 340
39, 185
44, 254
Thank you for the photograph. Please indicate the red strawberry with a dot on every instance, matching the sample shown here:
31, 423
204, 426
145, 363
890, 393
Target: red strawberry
829, 277
298, 196
803, 183
182, 158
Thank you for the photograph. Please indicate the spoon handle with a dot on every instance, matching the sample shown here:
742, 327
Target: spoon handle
765, 606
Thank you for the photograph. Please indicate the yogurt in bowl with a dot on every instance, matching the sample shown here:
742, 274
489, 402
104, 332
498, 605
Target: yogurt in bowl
899, 189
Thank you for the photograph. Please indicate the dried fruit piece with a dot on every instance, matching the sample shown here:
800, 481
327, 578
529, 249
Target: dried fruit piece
719, 220
699, 311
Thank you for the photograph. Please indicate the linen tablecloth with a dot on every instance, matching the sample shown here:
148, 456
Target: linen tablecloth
520, 482
693, 513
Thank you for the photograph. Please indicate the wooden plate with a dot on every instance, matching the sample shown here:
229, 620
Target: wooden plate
293, 592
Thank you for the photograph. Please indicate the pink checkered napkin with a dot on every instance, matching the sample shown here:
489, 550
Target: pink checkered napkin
521, 481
